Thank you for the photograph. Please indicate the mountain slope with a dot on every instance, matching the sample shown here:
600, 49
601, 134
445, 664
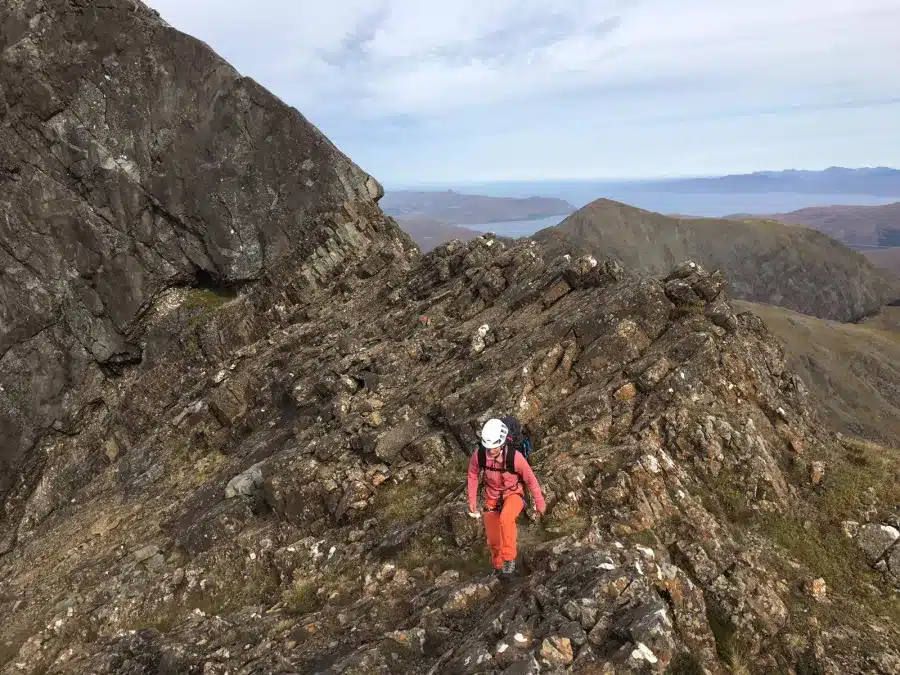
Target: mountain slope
852, 225
768, 262
852, 370
464, 209
277, 485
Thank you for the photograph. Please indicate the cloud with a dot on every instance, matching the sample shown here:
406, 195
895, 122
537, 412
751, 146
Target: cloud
463, 75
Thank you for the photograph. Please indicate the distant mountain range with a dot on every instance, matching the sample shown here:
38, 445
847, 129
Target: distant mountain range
457, 208
765, 261
879, 181
761, 192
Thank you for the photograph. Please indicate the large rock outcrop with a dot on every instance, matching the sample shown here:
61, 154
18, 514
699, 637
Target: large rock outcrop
777, 264
279, 487
133, 159
276, 486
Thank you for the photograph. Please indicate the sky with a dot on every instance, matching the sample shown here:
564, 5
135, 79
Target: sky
428, 91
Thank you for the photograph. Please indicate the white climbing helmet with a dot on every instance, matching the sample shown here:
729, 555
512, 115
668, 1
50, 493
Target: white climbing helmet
494, 434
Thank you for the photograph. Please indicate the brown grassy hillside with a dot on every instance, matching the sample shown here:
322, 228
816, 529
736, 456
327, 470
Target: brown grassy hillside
885, 258
852, 370
853, 225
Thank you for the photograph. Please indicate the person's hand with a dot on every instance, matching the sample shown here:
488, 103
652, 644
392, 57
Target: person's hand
473, 512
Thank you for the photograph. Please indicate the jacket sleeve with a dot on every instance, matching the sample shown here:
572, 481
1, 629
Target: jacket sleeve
473, 481
523, 468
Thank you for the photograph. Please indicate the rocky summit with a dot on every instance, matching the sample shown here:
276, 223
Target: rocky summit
238, 405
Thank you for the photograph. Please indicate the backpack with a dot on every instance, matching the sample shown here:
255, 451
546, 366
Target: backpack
516, 441
517, 438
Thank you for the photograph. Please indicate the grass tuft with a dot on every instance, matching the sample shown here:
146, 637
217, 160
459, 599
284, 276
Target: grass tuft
206, 299
439, 555
301, 598
863, 466
685, 664
402, 504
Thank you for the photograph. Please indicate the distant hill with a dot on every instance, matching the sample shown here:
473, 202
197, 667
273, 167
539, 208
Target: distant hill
765, 261
885, 258
463, 209
429, 233
879, 181
853, 225
851, 370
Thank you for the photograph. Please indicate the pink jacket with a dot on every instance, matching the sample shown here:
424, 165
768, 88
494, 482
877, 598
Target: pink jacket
497, 483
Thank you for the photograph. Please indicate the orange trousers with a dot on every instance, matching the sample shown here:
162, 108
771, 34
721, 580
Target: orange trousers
500, 528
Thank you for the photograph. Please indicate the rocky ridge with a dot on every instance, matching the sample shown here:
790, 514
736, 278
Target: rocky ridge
280, 488
275, 485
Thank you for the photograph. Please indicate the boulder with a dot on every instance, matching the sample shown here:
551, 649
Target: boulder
894, 561
145, 552
389, 444
467, 531
557, 651
246, 483
816, 589
875, 539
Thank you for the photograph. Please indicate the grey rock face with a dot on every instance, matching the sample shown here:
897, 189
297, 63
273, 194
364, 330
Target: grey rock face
348, 413
146, 552
246, 483
132, 159
876, 539
894, 561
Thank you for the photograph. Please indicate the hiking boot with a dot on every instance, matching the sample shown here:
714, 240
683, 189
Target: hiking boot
509, 568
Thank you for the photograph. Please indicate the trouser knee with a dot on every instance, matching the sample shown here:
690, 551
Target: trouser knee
508, 526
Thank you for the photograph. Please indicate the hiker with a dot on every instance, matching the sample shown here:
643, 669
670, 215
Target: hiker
506, 470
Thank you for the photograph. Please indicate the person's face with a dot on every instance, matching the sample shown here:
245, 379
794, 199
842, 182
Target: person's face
495, 452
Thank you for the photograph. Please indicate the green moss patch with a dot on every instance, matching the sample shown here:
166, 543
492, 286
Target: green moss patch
207, 299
